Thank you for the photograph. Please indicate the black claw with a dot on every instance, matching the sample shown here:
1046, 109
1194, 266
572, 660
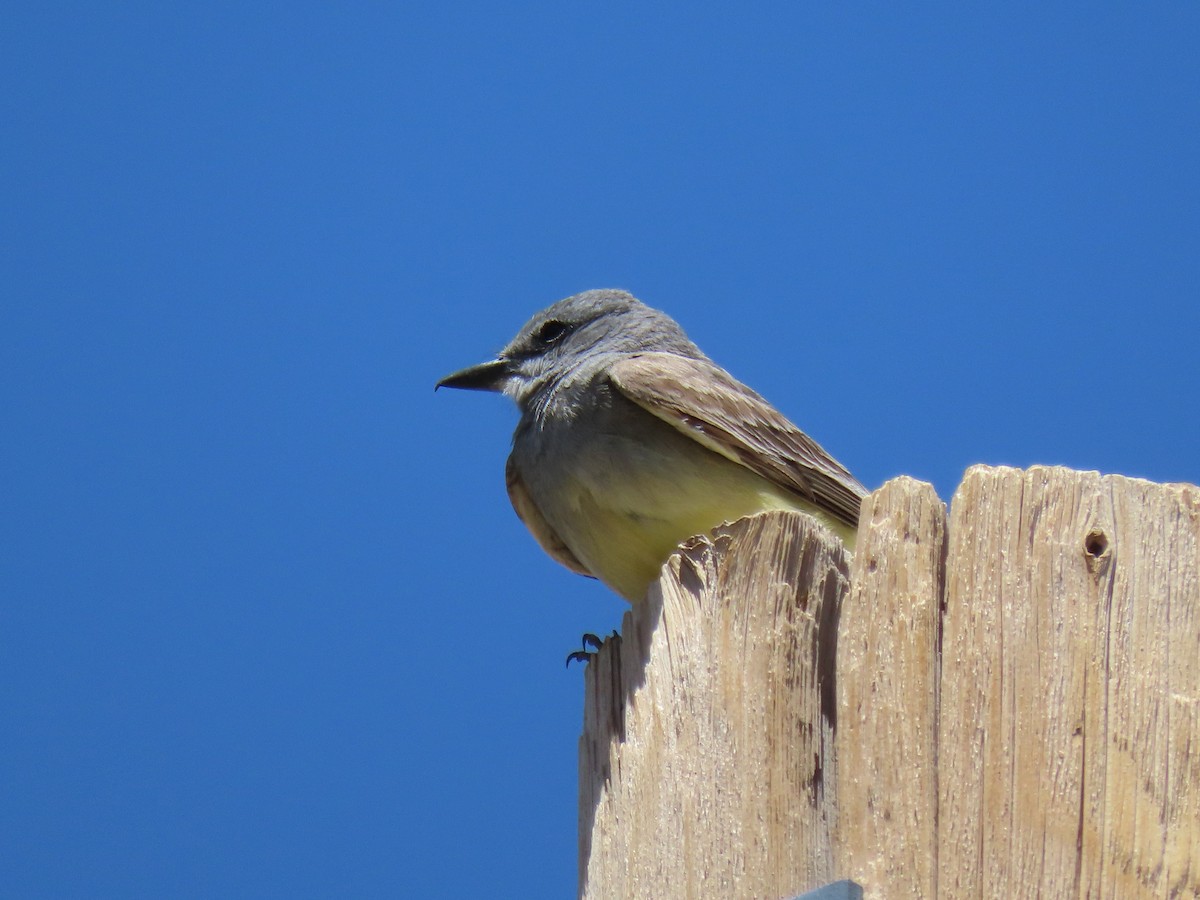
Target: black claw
591, 639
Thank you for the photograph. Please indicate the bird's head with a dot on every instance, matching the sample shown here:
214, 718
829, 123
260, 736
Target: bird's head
574, 338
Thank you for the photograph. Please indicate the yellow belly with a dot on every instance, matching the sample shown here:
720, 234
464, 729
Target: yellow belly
624, 525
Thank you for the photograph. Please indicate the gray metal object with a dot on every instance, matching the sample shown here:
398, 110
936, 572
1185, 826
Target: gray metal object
838, 890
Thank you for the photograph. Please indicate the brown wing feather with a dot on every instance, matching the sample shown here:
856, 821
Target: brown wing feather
528, 513
706, 403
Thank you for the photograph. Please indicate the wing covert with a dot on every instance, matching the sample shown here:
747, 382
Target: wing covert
706, 403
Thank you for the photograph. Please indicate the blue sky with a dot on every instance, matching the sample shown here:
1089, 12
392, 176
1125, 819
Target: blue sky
268, 624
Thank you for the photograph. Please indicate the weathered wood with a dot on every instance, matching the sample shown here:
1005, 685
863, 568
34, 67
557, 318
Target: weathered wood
707, 733
1006, 707
887, 677
1068, 726
1151, 833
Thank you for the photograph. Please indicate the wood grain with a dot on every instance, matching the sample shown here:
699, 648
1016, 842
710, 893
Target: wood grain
1068, 735
887, 677
707, 734
1004, 704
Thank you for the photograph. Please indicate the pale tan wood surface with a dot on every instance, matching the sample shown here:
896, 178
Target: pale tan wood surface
1066, 718
887, 678
1004, 706
704, 763
1151, 824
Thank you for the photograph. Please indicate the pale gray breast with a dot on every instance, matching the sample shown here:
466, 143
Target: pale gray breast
590, 435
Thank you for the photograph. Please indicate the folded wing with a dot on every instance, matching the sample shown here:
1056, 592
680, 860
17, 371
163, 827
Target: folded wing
707, 404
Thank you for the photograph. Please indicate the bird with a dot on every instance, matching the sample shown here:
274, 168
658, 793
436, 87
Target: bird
630, 441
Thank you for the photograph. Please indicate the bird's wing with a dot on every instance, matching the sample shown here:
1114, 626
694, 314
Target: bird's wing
528, 513
706, 403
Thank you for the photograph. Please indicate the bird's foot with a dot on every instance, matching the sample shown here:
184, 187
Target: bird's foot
589, 640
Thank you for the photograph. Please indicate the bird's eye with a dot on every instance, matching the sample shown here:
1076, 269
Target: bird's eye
551, 332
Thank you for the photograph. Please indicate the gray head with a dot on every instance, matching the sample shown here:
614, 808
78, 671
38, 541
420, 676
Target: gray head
573, 338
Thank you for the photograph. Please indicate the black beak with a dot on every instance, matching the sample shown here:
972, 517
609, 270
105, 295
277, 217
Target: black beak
488, 376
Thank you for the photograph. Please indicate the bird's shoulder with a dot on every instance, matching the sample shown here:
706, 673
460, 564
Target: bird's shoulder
702, 400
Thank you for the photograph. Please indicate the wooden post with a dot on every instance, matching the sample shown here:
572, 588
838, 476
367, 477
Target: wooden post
888, 667
707, 732
1003, 704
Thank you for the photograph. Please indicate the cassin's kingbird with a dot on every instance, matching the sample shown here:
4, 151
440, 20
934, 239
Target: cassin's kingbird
631, 441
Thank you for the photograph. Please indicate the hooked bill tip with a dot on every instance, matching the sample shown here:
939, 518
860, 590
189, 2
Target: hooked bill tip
488, 376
